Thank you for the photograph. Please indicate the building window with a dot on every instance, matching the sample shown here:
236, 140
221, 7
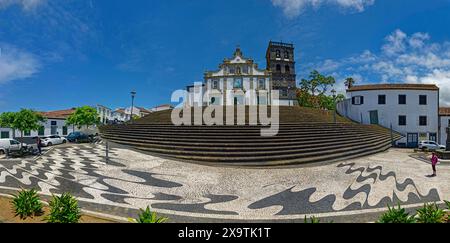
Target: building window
27, 133
232, 70
262, 100
4, 134
245, 69
53, 123
402, 120
284, 93
422, 121
402, 99
262, 84
449, 123
278, 54
215, 84
286, 55
41, 131
64, 130
358, 100
278, 68
287, 69
382, 99
237, 83
422, 99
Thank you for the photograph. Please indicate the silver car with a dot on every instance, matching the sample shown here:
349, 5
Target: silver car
430, 145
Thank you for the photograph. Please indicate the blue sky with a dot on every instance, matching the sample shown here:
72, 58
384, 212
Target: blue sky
58, 54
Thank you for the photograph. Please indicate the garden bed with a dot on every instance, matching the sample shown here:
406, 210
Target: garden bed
7, 215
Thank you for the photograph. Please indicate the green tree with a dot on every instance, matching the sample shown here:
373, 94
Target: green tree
27, 120
349, 82
84, 116
312, 92
7, 120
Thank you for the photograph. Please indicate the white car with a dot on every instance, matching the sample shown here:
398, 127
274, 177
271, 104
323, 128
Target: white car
53, 140
14, 146
430, 145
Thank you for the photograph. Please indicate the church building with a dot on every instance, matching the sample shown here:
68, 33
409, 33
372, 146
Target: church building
239, 81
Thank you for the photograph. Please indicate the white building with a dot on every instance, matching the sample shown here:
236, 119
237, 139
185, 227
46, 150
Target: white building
137, 111
119, 115
161, 108
411, 109
237, 82
105, 114
444, 122
54, 125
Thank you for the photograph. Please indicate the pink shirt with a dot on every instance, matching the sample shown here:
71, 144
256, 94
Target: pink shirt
434, 160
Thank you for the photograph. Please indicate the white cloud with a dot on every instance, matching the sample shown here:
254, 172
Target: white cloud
16, 64
26, 5
402, 58
293, 8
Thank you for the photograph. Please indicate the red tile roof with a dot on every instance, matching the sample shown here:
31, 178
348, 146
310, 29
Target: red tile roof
444, 111
61, 114
393, 86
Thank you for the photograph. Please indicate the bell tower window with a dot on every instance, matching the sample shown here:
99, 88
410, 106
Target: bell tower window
278, 68
287, 69
278, 54
286, 55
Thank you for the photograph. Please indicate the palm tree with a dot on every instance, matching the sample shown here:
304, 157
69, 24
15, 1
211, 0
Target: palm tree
349, 82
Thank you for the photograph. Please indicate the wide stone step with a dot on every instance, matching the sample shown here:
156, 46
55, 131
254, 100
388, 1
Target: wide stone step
233, 132
252, 152
235, 139
293, 157
270, 141
320, 138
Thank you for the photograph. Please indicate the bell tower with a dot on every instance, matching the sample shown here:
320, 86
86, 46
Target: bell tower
281, 62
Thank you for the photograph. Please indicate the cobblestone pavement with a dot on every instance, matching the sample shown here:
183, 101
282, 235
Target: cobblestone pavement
132, 180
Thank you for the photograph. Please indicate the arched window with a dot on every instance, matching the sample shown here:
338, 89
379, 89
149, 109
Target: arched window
287, 69
213, 100
278, 68
286, 55
278, 53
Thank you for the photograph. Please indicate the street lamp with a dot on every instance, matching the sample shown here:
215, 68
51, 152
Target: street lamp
133, 94
335, 105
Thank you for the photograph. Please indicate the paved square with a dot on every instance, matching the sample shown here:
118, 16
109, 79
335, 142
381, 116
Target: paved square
134, 180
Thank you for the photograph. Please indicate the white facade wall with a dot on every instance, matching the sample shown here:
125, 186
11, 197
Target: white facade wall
105, 114
443, 124
388, 114
49, 129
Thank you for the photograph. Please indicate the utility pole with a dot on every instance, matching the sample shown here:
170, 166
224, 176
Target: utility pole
107, 151
335, 105
133, 94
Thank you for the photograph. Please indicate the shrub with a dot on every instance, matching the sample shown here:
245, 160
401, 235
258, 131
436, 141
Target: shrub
396, 216
148, 217
447, 203
27, 204
312, 220
430, 214
64, 209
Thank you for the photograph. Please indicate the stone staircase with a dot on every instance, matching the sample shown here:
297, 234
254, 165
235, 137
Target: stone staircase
306, 138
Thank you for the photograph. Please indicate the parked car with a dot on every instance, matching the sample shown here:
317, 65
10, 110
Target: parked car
79, 137
430, 145
15, 147
53, 140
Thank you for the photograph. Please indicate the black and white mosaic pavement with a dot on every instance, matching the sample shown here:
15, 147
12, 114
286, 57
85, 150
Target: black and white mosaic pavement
135, 180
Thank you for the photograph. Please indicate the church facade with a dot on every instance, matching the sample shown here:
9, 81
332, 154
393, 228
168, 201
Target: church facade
239, 81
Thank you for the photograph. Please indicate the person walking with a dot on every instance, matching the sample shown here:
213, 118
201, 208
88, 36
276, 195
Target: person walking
434, 161
39, 145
